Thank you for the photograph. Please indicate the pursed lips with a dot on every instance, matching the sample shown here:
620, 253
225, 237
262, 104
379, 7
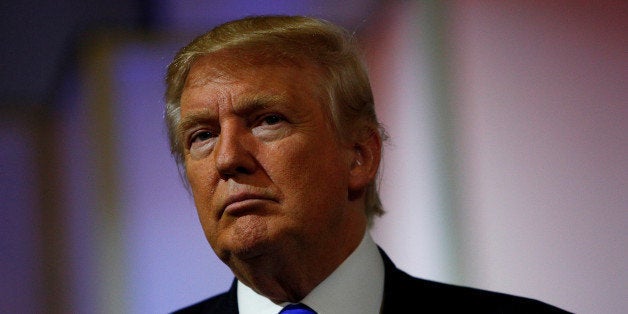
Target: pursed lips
240, 203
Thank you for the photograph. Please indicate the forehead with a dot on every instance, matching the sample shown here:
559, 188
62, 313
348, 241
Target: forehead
216, 87
226, 71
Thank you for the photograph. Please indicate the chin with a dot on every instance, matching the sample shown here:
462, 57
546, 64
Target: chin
249, 238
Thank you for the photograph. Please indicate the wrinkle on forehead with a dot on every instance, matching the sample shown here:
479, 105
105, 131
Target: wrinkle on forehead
250, 75
203, 73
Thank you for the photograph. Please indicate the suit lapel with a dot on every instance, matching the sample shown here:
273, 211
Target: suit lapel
229, 304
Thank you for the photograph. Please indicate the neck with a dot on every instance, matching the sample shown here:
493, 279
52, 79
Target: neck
290, 275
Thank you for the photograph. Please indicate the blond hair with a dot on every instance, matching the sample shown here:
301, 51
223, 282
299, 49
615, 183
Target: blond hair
299, 40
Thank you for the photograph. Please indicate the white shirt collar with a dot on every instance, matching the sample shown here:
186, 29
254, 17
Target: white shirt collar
356, 286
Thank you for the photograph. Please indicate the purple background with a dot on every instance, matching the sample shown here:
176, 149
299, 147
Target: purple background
506, 168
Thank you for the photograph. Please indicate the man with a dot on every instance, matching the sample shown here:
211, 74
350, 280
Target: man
273, 123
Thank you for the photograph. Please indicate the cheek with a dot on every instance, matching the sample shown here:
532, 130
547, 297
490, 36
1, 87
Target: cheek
202, 189
197, 178
309, 173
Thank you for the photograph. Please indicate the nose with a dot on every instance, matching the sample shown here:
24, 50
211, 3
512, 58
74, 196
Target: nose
233, 152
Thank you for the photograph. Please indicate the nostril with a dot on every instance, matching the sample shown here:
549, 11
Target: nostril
243, 170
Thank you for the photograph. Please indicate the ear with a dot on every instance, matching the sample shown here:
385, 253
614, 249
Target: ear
367, 155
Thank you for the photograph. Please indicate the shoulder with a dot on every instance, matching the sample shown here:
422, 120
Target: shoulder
452, 298
402, 291
215, 304
222, 303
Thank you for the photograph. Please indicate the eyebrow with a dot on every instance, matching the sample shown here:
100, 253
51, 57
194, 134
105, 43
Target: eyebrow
245, 105
192, 120
251, 103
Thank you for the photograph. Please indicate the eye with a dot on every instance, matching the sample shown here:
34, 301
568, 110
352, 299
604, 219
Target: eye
272, 119
201, 136
271, 126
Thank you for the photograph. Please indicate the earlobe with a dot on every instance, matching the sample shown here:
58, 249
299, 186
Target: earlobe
367, 154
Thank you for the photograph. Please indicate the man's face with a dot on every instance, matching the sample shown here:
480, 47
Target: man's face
266, 169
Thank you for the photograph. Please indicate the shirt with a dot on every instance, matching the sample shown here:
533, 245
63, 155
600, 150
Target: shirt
356, 286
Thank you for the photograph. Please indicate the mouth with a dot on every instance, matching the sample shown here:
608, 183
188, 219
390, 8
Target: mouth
244, 203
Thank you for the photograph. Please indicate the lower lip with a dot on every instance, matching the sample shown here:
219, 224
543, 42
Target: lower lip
243, 207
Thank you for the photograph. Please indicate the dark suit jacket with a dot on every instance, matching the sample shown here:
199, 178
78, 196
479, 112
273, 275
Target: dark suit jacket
403, 292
